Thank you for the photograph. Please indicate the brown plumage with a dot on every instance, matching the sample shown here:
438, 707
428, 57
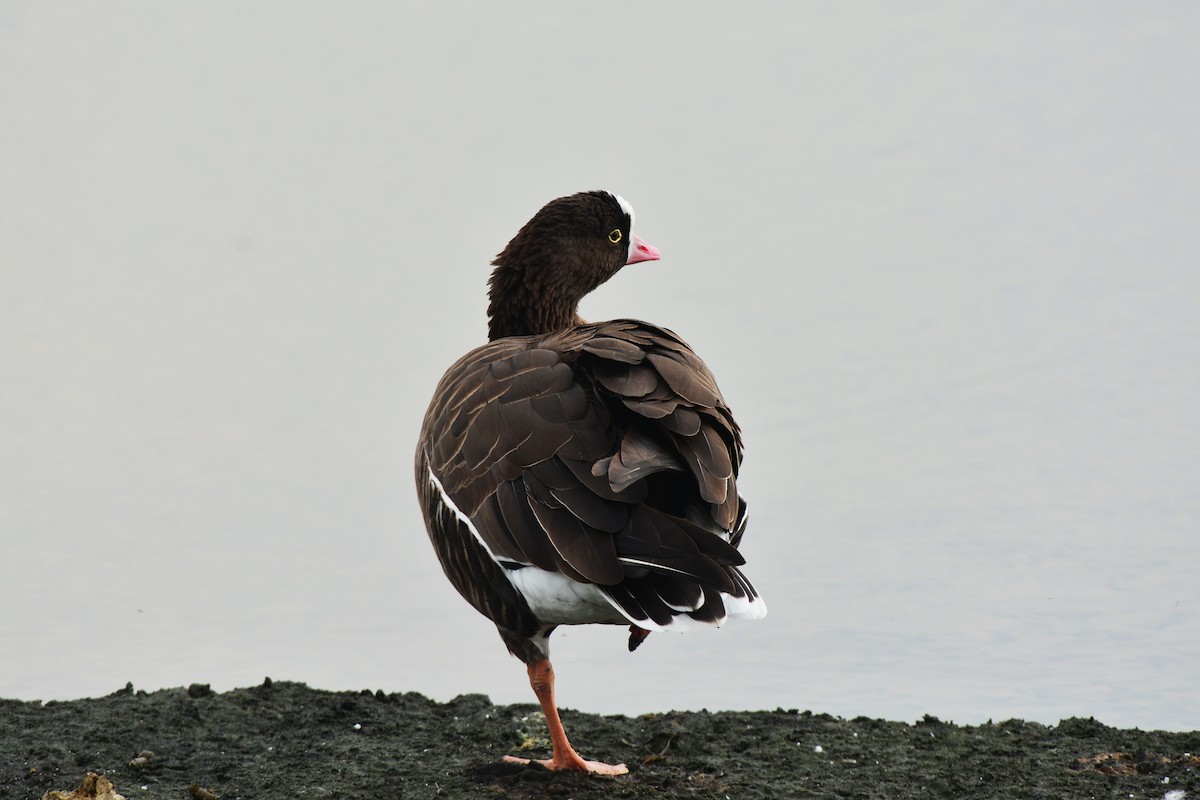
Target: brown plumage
572, 472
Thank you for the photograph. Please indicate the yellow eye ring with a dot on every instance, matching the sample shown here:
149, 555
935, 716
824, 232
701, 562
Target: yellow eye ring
615, 236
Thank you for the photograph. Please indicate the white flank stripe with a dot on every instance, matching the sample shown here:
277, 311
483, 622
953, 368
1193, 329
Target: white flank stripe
463, 518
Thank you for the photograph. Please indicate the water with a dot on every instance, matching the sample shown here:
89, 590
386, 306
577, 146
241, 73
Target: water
942, 261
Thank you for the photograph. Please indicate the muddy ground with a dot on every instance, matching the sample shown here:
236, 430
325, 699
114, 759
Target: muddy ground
285, 740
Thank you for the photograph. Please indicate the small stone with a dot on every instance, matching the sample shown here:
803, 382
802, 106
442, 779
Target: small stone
198, 792
92, 787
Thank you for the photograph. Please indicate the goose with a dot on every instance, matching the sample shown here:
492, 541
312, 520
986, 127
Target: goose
571, 472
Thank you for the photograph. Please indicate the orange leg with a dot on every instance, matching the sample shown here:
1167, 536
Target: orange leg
541, 678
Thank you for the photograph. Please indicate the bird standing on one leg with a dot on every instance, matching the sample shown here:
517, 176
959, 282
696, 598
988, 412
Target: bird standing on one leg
574, 473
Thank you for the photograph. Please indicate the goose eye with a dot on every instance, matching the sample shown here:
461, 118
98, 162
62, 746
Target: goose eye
615, 236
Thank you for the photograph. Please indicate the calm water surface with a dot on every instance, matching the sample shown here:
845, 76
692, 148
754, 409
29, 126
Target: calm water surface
942, 261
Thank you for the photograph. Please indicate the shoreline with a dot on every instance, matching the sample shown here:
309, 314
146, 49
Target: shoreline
286, 740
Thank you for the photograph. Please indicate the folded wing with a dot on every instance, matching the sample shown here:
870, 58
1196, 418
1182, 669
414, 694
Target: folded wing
605, 453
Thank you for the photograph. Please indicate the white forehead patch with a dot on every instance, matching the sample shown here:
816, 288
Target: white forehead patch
624, 204
628, 209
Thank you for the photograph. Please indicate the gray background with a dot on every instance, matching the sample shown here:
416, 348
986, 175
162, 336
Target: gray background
942, 258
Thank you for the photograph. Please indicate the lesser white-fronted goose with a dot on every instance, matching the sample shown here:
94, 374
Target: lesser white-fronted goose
573, 472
